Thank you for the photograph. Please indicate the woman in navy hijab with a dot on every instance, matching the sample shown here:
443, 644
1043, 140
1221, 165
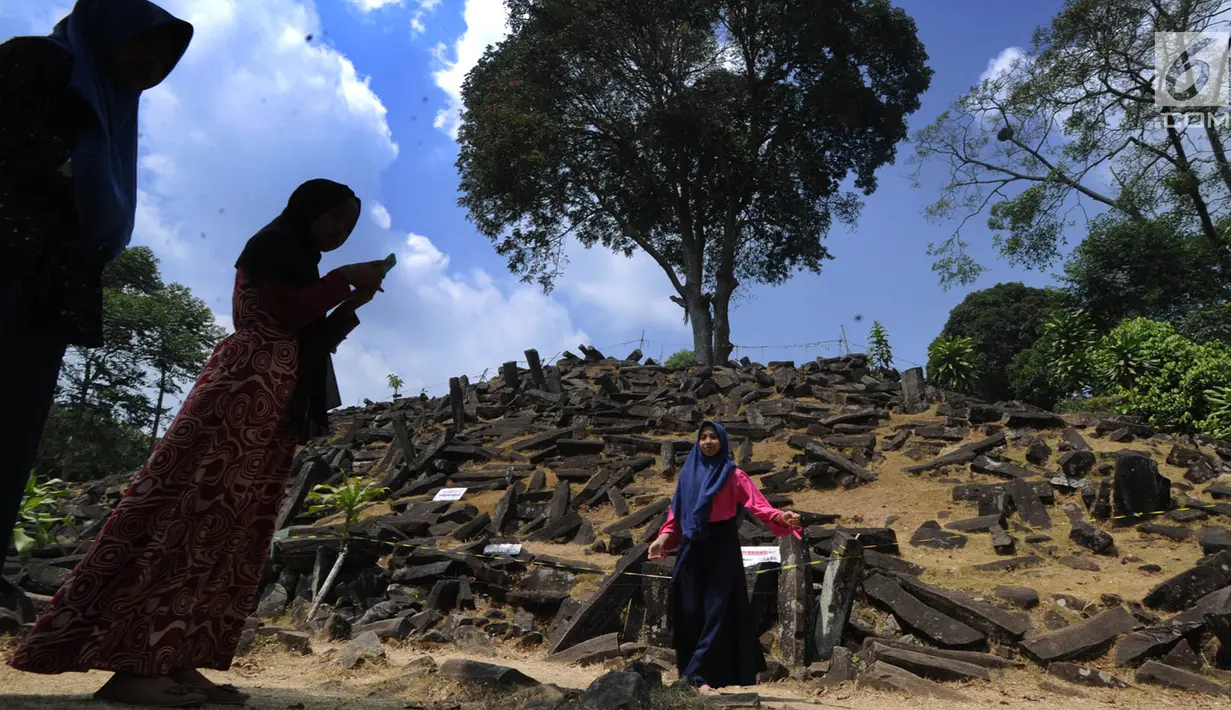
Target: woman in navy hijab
716, 644
68, 197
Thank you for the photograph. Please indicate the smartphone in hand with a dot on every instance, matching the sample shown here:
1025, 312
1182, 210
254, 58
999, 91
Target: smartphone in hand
390, 262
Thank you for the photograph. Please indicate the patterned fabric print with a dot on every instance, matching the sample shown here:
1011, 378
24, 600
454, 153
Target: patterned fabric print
174, 574
61, 278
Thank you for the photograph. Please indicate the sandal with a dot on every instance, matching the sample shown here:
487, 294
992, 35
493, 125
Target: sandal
150, 692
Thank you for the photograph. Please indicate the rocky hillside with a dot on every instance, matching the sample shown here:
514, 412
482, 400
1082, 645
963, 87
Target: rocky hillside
946, 540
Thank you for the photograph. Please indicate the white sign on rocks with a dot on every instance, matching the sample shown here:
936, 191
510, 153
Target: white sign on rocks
756, 555
449, 494
510, 549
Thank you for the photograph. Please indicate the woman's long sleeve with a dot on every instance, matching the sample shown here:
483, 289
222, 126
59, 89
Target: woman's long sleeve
747, 495
33, 76
294, 307
671, 529
340, 323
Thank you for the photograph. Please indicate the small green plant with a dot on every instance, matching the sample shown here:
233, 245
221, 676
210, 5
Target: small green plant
395, 384
36, 517
878, 347
952, 363
1218, 423
1121, 359
1068, 340
350, 499
680, 360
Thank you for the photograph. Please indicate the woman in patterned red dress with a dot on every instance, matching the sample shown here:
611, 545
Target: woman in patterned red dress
167, 586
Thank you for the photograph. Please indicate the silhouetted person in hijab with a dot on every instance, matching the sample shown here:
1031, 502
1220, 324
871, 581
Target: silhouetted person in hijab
169, 583
68, 196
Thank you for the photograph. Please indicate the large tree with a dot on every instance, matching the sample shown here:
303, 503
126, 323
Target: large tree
1072, 129
1154, 269
157, 337
713, 135
176, 340
1001, 322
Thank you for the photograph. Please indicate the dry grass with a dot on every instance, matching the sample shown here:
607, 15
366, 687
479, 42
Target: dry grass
279, 679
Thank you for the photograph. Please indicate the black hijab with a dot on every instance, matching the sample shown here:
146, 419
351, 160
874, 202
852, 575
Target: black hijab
283, 252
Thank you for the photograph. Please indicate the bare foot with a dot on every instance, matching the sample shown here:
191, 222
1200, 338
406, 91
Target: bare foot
214, 693
149, 691
706, 690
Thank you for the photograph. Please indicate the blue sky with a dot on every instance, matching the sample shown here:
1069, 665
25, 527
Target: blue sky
256, 107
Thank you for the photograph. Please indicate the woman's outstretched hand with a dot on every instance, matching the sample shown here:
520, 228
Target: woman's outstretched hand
365, 274
790, 519
658, 548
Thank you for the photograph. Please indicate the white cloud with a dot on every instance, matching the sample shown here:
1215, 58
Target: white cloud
366, 6
626, 293
486, 24
380, 216
225, 322
254, 109
426, 7
1002, 63
155, 231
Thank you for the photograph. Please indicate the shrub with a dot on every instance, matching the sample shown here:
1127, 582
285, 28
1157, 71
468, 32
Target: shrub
951, 364
680, 360
1030, 377
1068, 341
1001, 322
1179, 384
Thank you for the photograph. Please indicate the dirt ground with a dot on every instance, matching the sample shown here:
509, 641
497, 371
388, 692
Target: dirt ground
280, 680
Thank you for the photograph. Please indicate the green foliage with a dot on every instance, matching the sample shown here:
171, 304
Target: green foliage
1175, 389
1000, 322
1121, 359
1209, 323
724, 166
1142, 269
1030, 146
1030, 378
349, 498
1067, 340
680, 360
157, 337
1218, 423
395, 384
878, 347
1097, 403
36, 517
84, 443
951, 364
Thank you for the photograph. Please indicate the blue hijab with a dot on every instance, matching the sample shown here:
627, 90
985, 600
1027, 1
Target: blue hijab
701, 477
105, 157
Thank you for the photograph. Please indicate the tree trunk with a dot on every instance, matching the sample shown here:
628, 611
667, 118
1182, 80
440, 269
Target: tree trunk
324, 590
162, 389
702, 329
1220, 153
1193, 191
66, 464
722, 318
